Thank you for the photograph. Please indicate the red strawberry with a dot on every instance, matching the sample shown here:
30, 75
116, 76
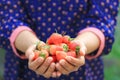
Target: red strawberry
36, 54
73, 45
71, 53
42, 53
54, 59
54, 48
60, 55
64, 47
55, 38
66, 39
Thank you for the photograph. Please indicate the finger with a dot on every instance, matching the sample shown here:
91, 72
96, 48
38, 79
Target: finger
50, 70
83, 50
61, 69
30, 58
30, 50
54, 74
43, 68
58, 73
76, 61
67, 65
33, 65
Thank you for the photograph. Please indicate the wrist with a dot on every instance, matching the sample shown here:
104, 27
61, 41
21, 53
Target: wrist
18, 44
90, 40
24, 40
95, 40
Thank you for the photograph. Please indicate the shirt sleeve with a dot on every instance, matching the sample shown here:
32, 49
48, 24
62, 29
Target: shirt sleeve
12, 15
101, 14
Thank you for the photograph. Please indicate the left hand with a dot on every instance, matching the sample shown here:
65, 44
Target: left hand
70, 64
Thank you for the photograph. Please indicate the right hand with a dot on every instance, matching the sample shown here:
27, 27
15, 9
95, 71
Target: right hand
41, 66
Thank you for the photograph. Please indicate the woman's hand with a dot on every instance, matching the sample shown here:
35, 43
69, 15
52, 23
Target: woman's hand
70, 64
41, 66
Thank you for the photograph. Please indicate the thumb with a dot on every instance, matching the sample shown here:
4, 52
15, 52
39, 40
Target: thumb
31, 56
83, 51
29, 51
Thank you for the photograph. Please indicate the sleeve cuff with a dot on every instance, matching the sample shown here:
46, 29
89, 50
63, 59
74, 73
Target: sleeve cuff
13, 36
102, 41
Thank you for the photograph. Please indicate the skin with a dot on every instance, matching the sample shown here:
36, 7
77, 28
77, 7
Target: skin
26, 40
88, 42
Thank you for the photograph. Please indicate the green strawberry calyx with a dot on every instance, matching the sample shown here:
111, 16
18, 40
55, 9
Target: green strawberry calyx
77, 50
42, 54
65, 48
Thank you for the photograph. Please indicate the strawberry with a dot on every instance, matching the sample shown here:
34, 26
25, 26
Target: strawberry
42, 53
60, 55
39, 45
36, 54
64, 47
54, 48
55, 38
66, 39
73, 45
71, 53
54, 59
45, 47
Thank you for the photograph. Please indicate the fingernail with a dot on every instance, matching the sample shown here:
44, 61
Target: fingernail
40, 59
57, 65
49, 59
62, 62
58, 74
52, 65
54, 74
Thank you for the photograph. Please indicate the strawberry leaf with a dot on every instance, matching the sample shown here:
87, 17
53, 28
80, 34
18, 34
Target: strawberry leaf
77, 50
71, 39
65, 48
42, 54
46, 47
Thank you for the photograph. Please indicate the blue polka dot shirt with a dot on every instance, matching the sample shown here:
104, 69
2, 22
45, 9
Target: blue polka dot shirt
67, 17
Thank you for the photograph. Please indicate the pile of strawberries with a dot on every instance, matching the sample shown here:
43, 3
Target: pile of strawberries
58, 47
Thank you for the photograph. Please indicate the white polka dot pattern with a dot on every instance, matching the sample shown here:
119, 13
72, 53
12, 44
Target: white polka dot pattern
65, 17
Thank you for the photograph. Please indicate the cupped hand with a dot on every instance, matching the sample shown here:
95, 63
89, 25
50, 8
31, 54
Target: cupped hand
42, 66
70, 64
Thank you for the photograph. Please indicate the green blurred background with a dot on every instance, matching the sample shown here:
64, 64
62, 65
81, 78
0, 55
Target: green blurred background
111, 61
